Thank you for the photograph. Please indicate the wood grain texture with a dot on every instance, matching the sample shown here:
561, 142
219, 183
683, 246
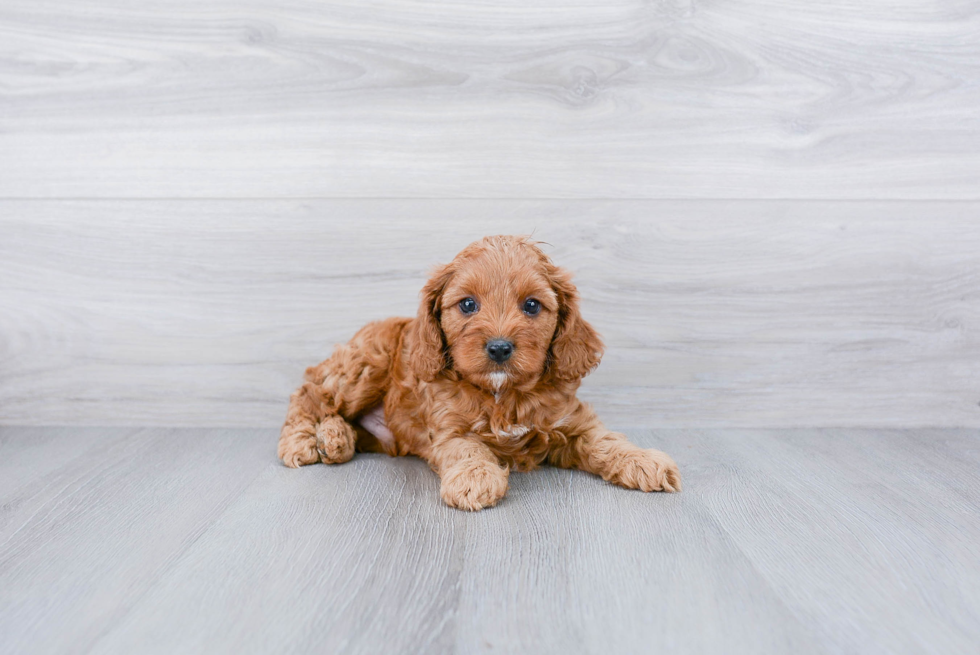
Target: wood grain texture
406, 98
89, 535
808, 541
857, 531
714, 313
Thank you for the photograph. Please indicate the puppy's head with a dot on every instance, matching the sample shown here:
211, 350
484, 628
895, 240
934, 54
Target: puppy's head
502, 314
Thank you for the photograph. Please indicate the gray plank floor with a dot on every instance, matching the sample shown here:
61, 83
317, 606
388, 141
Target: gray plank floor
196, 540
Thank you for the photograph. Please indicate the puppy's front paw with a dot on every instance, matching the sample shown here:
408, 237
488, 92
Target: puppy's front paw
647, 470
335, 439
473, 486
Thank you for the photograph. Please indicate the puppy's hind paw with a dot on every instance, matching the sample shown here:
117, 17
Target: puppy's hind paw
335, 440
298, 452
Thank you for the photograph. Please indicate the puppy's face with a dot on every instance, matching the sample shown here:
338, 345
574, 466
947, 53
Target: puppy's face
498, 314
501, 314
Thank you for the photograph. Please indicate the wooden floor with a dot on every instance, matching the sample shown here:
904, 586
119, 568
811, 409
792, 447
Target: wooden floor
127, 540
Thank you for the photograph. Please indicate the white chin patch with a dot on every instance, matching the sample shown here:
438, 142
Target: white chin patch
497, 379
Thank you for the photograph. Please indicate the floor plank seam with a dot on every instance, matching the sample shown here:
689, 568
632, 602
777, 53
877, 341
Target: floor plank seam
173, 562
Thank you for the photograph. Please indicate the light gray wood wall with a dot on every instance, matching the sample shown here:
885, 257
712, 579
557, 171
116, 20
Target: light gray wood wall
772, 208
714, 312
490, 98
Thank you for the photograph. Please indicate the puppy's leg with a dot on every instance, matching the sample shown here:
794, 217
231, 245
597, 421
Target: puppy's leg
354, 378
314, 431
472, 476
610, 455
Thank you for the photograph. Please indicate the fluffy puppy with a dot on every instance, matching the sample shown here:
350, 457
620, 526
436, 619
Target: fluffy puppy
480, 382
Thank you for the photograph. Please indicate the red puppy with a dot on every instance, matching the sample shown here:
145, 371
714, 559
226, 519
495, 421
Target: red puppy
481, 381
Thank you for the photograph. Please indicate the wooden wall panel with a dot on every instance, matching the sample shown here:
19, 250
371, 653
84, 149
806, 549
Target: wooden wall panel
405, 98
714, 312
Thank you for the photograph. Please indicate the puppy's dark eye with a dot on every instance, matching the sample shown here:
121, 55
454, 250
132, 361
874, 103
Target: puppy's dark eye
531, 307
468, 306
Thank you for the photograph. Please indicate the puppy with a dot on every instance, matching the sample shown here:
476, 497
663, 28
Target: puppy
480, 382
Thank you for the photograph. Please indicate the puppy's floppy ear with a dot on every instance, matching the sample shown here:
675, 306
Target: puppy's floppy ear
427, 348
576, 348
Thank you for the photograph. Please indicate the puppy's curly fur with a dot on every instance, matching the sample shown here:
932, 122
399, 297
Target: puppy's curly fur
447, 400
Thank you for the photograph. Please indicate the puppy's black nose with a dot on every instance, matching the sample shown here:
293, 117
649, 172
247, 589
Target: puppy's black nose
500, 350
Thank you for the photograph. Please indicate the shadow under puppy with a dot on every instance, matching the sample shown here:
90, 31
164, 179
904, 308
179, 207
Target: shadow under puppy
483, 380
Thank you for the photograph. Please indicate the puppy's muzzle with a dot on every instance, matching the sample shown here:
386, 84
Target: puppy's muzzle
500, 350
